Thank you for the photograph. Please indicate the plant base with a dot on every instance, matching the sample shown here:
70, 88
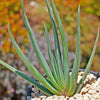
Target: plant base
90, 90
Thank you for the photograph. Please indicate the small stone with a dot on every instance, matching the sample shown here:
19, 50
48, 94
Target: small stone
50, 98
67, 97
78, 96
71, 98
79, 78
92, 91
43, 97
97, 96
98, 80
92, 99
81, 73
84, 90
36, 98
86, 97
88, 85
58, 97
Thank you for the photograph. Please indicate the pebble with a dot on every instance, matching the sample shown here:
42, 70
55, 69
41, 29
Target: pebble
92, 92
84, 90
86, 98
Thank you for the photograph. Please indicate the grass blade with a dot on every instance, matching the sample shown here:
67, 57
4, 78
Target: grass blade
50, 56
74, 74
30, 80
65, 47
37, 50
32, 69
88, 65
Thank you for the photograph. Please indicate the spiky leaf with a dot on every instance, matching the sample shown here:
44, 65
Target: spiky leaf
57, 46
50, 57
88, 65
74, 75
32, 69
30, 80
37, 50
64, 45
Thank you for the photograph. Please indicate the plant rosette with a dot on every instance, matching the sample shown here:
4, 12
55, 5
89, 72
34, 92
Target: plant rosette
89, 91
59, 80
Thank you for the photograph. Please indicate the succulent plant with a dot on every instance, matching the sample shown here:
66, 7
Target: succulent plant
59, 81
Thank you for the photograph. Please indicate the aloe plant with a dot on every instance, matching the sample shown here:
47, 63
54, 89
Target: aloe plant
59, 81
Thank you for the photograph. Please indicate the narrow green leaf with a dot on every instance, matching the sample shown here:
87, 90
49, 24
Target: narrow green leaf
56, 67
61, 76
55, 63
88, 65
74, 74
30, 80
56, 39
57, 45
64, 45
50, 56
32, 69
37, 50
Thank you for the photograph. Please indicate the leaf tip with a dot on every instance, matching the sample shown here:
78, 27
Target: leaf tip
8, 24
79, 8
98, 30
